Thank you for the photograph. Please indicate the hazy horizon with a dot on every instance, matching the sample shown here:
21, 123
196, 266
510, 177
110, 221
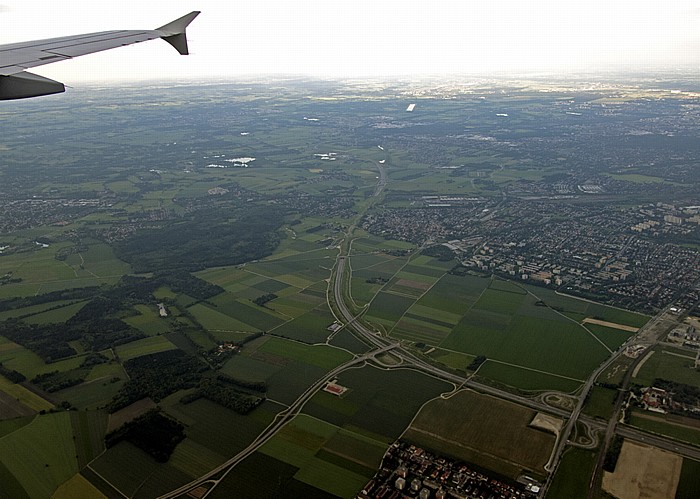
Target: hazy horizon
370, 39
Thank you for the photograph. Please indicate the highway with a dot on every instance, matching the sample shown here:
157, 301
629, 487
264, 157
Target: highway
279, 422
380, 344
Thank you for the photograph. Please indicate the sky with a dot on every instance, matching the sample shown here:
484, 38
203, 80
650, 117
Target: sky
359, 38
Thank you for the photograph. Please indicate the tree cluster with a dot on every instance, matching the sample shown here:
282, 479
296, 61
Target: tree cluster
11, 374
224, 394
478, 360
154, 433
442, 253
54, 381
613, 453
214, 239
157, 376
263, 299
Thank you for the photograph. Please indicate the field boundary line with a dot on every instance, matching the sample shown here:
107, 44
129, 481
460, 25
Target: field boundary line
36, 416
565, 316
641, 363
535, 370
108, 482
467, 310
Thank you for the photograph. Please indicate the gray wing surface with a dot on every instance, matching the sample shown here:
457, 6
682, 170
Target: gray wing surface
16, 58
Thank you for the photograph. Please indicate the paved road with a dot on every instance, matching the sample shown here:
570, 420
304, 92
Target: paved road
280, 421
612, 428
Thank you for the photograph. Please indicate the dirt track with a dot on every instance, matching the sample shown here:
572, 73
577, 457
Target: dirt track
621, 327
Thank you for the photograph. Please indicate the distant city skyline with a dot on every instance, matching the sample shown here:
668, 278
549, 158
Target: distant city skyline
369, 38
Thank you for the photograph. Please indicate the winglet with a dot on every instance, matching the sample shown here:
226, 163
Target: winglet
174, 32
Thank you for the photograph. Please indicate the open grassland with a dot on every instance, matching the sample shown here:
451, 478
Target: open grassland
600, 402
194, 459
483, 430
213, 320
8, 426
145, 346
41, 272
612, 337
321, 356
78, 487
379, 404
455, 360
667, 364
136, 474
148, 320
41, 455
89, 428
251, 369
668, 425
526, 379
32, 310
420, 331
246, 311
616, 372
320, 450
570, 304
221, 431
312, 327
14, 356
387, 308
557, 347
244, 481
95, 393
688, 483
454, 294
573, 474
56, 315
24, 396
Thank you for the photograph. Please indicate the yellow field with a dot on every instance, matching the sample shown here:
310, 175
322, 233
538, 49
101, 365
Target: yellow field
20, 393
643, 471
77, 487
621, 327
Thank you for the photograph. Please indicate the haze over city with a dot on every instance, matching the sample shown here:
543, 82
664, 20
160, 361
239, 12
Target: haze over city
370, 38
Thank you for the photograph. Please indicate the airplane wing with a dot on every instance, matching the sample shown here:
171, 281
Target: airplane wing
15, 58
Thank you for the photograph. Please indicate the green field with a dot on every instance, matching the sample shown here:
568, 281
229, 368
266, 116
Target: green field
312, 327
387, 308
149, 321
689, 485
320, 450
41, 455
145, 346
573, 475
379, 404
667, 364
669, 428
24, 396
600, 402
526, 379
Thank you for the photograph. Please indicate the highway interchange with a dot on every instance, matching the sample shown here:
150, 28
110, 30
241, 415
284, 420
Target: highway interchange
380, 345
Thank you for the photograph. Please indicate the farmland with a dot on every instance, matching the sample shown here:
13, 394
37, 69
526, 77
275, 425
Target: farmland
142, 267
40, 455
485, 431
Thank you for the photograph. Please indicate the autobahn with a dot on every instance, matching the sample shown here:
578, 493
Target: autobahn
380, 345
279, 422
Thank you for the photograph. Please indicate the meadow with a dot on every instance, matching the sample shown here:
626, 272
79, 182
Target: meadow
485, 431
40, 455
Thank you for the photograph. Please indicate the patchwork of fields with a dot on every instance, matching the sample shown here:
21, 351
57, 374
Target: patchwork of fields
532, 340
